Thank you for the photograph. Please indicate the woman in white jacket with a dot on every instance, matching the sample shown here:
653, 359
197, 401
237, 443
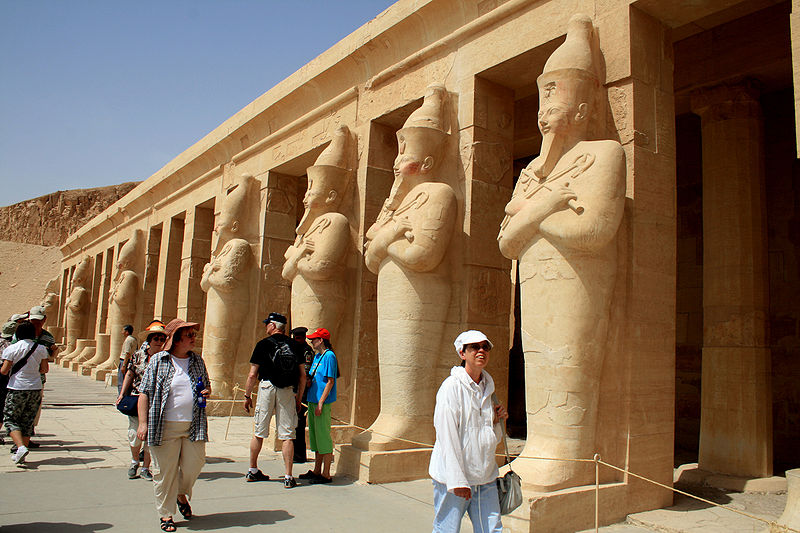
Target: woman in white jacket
463, 465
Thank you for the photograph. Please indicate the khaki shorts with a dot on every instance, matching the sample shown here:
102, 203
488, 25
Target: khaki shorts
280, 402
133, 427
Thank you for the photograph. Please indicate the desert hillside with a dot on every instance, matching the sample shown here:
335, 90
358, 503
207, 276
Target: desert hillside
25, 270
48, 220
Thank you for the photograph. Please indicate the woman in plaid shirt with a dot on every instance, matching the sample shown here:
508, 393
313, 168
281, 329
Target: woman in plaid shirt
173, 422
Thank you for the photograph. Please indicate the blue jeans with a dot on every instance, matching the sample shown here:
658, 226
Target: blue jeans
483, 509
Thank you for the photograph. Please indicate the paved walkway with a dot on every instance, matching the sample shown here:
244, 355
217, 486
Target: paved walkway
77, 482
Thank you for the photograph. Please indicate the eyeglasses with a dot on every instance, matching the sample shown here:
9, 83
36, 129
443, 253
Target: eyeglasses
475, 346
191, 334
158, 338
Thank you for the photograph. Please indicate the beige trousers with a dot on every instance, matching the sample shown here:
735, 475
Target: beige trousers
176, 464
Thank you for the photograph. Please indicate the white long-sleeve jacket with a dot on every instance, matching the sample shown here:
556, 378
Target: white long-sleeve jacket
466, 439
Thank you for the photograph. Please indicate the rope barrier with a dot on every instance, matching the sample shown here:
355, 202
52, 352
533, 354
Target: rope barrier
773, 525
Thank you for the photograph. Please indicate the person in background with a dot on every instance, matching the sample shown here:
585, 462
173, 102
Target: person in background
155, 335
129, 346
299, 336
24, 386
172, 419
5, 341
277, 366
463, 466
321, 394
38, 317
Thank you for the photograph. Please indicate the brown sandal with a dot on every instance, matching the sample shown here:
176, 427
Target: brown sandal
185, 509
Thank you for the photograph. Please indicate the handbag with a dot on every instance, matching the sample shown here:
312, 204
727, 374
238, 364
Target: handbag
509, 486
128, 405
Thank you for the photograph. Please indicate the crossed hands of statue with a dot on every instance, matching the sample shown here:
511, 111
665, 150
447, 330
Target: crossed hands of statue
403, 229
307, 248
559, 197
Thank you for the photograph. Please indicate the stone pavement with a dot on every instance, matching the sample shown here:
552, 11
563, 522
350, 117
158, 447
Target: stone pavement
77, 482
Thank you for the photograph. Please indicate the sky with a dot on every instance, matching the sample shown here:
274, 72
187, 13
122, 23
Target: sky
100, 92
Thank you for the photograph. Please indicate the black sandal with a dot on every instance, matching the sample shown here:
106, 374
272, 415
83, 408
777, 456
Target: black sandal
185, 509
168, 525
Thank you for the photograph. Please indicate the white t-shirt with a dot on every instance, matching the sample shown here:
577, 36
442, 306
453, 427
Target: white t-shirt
180, 400
28, 378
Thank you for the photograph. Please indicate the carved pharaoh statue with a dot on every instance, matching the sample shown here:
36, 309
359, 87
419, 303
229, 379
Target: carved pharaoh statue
316, 263
78, 305
561, 225
226, 279
122, 297
406, 248
51, 299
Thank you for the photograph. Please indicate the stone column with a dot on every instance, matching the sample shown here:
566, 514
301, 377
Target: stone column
736, 408
169, 267
198, 226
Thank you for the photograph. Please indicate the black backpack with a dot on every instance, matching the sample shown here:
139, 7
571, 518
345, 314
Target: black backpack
285, 366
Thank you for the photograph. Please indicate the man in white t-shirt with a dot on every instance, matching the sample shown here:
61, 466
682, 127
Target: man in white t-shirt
24, 386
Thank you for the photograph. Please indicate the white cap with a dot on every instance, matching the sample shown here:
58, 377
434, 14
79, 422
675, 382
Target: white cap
37, 313
469, 337
17, 316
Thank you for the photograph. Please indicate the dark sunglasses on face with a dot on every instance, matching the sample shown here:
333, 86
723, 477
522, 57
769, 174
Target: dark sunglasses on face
158, 338
475, 346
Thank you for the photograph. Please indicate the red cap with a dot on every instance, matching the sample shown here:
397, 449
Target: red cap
320, 333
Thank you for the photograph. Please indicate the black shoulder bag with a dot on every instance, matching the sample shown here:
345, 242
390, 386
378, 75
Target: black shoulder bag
22, 362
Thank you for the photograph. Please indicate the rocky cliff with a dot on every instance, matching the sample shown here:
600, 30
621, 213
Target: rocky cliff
48, 220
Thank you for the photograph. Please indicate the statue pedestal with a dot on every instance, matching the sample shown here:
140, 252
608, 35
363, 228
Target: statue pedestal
80, 345
567, 510
382, 466
791, 514
87, 353
100, 375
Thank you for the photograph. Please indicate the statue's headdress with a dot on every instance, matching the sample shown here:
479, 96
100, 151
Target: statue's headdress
332, 165
428, 123
573, 66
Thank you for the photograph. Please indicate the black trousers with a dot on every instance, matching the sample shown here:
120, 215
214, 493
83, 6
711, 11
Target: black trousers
300, 437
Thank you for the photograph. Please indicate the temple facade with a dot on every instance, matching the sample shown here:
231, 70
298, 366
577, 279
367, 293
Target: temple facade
649, 314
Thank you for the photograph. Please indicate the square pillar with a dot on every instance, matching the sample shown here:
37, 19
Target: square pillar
736, 396
169, 269
196, 252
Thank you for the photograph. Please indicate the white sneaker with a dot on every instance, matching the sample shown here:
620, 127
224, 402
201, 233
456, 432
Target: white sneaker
19, 456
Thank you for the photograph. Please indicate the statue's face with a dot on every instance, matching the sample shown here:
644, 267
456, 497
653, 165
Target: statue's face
409, 160
316, 195
555, 118
225, 229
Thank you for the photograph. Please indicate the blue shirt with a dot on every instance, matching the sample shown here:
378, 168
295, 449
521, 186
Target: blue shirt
323, 367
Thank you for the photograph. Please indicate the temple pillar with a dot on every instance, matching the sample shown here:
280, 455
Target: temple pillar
196, 252
736, 409
169, 269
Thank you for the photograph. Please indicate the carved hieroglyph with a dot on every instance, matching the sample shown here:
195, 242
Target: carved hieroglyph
561, 225
122, 297
406, 249
316, 263
78, 304
226, 279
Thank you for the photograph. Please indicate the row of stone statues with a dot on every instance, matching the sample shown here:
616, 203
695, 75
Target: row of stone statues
560, 227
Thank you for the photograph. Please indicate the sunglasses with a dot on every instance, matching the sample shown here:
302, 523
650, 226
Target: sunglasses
475, 346
158, 338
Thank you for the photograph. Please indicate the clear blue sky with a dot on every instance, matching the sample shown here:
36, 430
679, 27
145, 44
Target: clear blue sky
99, 92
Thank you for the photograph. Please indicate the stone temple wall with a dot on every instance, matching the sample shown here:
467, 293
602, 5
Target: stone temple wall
221, 236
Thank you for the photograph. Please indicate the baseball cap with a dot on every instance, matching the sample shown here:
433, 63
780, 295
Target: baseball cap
299, 332
469, 337
320, 333
37, 313
275, 317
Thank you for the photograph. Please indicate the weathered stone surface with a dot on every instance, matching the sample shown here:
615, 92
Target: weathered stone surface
48, 220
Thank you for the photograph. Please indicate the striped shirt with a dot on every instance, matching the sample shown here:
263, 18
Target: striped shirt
156, 383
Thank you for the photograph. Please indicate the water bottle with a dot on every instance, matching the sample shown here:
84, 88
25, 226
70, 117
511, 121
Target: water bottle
201, 400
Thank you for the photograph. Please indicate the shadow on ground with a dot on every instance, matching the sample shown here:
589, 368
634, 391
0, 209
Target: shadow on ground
235, 519
55, 527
